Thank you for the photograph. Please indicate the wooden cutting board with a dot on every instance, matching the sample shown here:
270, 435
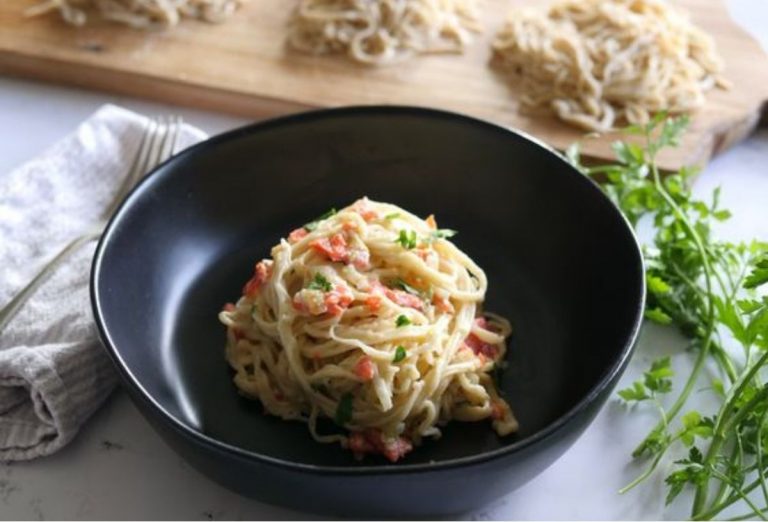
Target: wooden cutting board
243, 67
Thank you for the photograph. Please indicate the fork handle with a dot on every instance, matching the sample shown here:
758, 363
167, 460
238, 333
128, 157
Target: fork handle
10, 310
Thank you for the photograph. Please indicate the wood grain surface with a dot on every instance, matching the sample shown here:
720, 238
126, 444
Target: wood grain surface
243, 67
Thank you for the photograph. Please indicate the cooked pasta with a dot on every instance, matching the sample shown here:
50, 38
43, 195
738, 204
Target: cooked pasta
370, 317
383, 31
141, 14
595, 63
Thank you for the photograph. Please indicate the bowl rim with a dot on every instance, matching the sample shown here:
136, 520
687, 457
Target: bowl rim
133, 385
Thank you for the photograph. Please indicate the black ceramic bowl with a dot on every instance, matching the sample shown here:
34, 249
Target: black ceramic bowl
562, 263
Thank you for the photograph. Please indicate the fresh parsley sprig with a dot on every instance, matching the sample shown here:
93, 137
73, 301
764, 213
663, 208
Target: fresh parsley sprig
706, 288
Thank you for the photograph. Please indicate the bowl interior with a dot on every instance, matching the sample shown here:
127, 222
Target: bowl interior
561, 263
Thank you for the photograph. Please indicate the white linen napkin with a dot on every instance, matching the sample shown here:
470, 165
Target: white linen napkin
53, 371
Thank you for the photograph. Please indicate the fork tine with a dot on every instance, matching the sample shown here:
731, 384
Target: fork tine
179, 126
174, 129
156, 148
136, 167
145, 155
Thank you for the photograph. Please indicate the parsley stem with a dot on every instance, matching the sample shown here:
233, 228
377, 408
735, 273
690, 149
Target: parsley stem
725, 362
725, 423
645, 474
710, 318
716, 509
690, 284
724, 489
748, 516
759, 451
741, 494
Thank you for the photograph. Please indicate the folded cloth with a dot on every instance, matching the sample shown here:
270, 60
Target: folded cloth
53, 371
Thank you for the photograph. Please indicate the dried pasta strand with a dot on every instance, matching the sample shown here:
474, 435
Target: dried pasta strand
596, 63
381, 32
140, 14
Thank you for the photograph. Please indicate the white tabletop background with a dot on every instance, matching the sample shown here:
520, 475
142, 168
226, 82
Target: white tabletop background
119, 468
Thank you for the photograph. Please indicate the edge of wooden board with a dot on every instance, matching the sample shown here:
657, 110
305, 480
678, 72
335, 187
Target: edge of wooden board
135, 84
701, 143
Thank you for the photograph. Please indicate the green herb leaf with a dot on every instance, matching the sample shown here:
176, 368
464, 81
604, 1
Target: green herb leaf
399, 354
443, 233
407, 239
749, 306
402, 285
695, 426
657, 315
759, 274
402, 321
628, 153
573, 154
312, 225
393, 215
656, 379
320, 283
722, 215
657, 285
636, 392
344, 409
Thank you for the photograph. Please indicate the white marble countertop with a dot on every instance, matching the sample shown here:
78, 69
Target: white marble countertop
118, 468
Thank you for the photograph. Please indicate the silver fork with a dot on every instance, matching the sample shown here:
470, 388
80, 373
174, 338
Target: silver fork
158, 143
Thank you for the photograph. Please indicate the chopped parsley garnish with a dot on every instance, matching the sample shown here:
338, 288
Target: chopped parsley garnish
312, 225
393, 215
344, 410
402, 321
402, 285
407, 239
399, 354
320, 283
443, 233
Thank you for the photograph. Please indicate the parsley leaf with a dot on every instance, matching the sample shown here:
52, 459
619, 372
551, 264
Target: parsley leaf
402, 285
312, 225
759, 274
657, 285
402, 321
443, 233
636, 392
393, 215
320, 283
399, 354
344, 409
407, 239
657, 315
656, 379
695, 426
